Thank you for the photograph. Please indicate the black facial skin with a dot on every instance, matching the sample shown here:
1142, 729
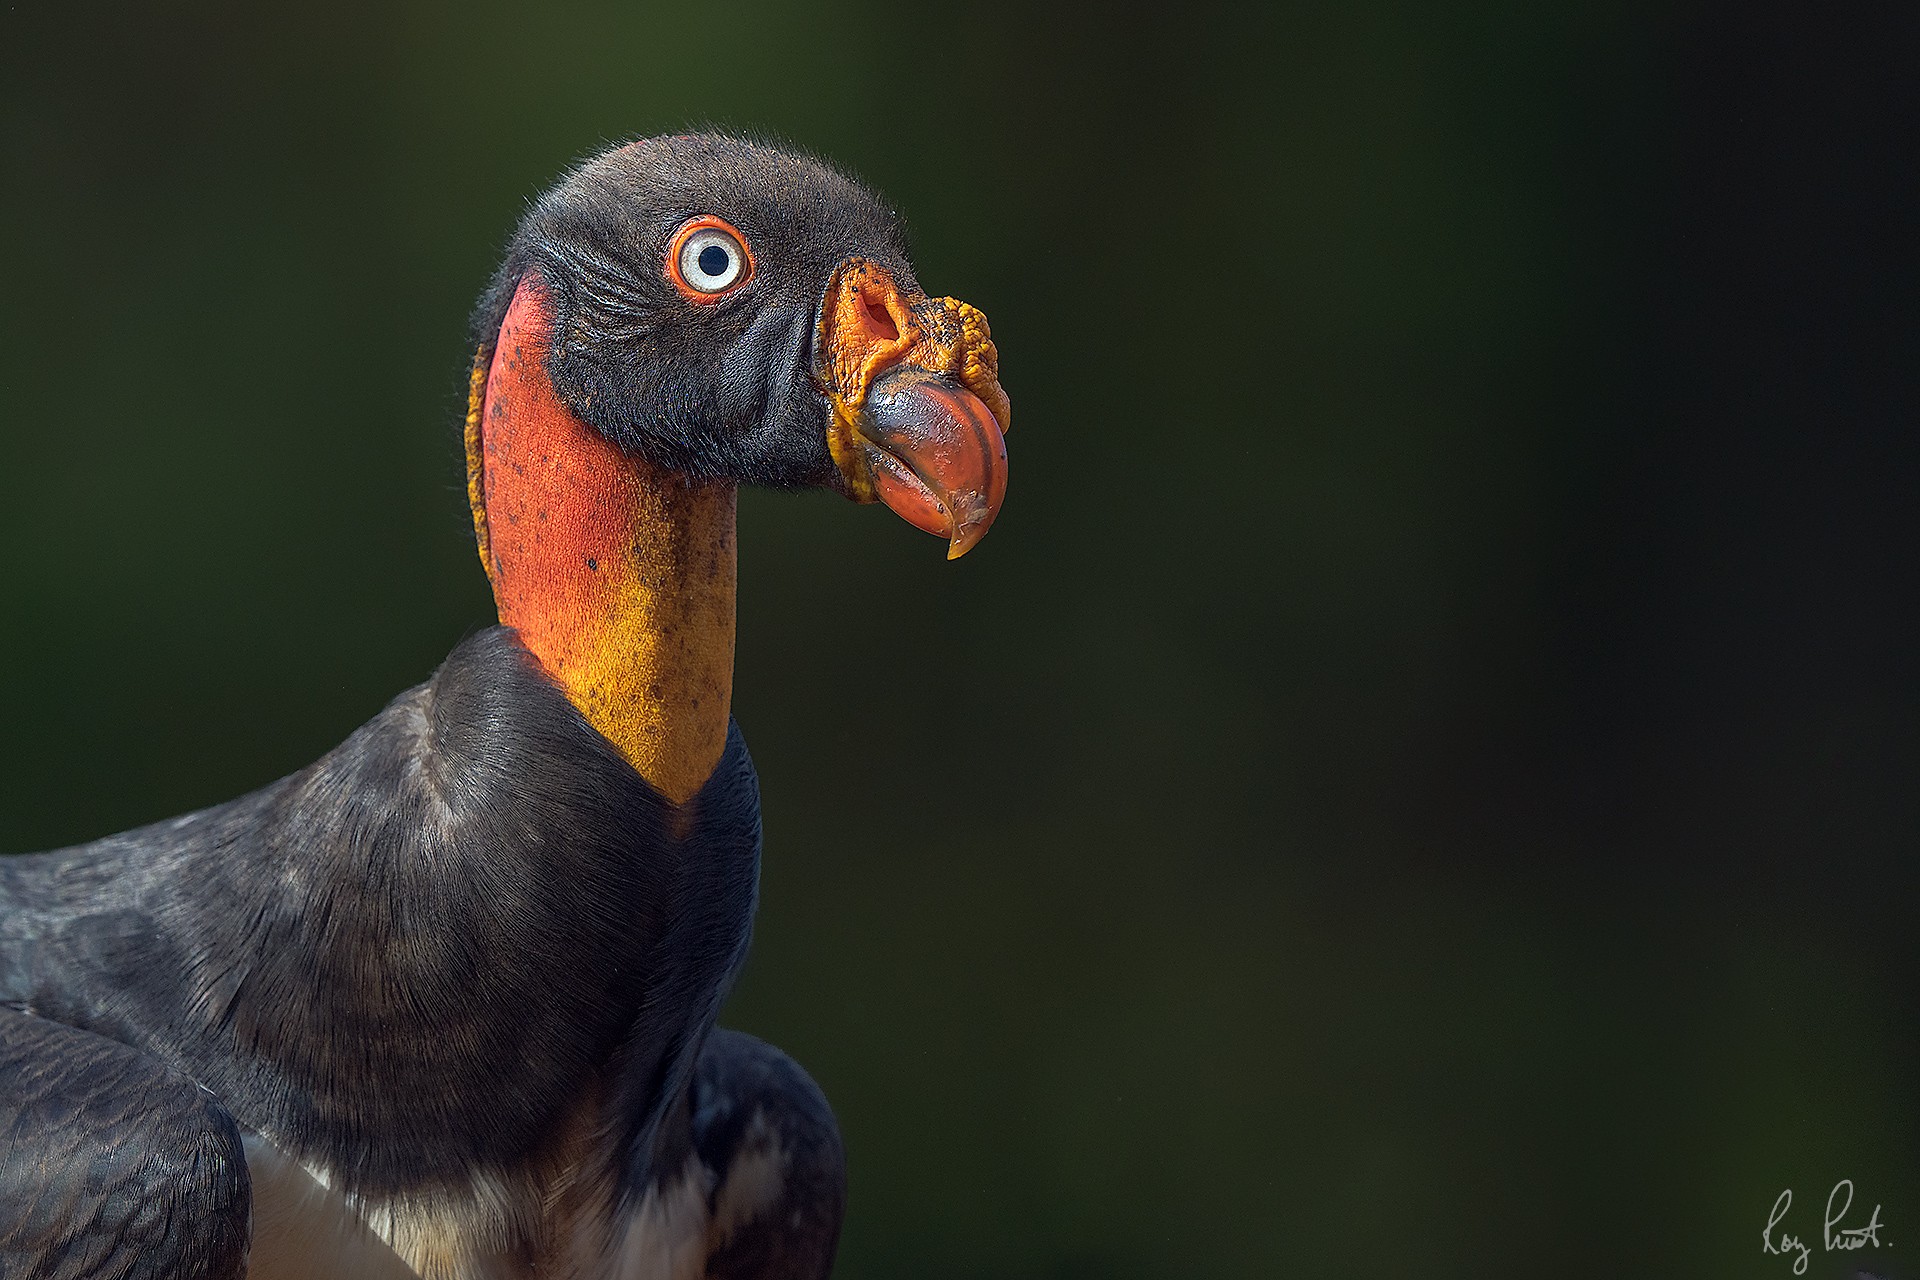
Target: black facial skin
718, 391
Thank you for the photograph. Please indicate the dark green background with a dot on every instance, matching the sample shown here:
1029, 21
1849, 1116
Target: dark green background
1420, 780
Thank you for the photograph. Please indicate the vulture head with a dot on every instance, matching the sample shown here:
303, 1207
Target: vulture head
732, 312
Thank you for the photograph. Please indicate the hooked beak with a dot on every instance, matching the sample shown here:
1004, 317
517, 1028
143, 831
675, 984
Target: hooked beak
919, 417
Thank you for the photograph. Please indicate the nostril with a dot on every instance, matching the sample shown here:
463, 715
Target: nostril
880, 320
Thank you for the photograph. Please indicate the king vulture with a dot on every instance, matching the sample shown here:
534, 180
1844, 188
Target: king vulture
442, 1003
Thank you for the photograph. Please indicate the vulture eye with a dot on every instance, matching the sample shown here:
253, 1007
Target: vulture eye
707, 259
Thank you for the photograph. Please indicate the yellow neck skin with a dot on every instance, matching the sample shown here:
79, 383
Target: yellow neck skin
619, 575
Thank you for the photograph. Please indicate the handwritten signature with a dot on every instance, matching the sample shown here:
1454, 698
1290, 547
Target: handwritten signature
1832, 1234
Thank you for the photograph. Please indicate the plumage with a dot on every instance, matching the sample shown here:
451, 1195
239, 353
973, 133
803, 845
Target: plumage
443, 1001
112, 1164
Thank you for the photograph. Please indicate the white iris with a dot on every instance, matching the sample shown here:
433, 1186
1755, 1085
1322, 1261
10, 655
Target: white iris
711, 260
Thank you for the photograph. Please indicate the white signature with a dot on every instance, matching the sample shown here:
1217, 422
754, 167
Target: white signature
1832, 1234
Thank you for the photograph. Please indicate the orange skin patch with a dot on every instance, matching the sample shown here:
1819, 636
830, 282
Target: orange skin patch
619, 575
869, 325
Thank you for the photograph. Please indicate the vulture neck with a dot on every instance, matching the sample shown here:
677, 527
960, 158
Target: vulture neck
618, 574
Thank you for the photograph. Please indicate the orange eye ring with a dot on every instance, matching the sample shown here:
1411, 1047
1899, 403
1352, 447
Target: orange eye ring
706, 242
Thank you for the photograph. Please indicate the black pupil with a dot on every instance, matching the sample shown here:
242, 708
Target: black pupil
714, 260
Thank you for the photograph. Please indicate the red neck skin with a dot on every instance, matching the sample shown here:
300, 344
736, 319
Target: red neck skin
618, 574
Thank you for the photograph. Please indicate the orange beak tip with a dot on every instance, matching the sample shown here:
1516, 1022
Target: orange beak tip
937, 457
919, 416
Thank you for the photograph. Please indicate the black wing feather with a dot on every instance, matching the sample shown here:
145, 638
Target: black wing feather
751, 1100
112, 1165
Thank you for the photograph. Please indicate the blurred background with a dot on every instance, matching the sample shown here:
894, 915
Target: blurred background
1437, 685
